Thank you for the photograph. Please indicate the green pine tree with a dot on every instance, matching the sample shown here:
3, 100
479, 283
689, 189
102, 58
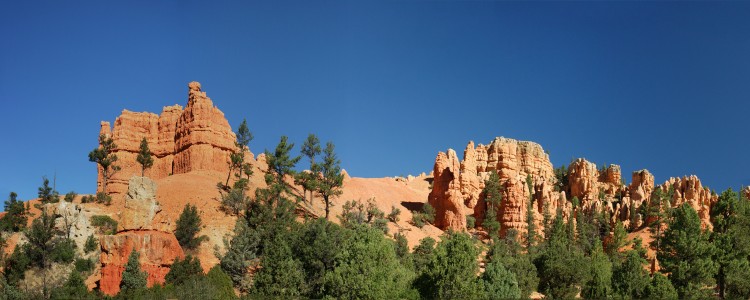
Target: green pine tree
188, 226
237, 162
133, 279
308, 180
74, 288
144, 157
451, 273
493, 197
16, 216
183, 269
332, 180
600, 284
685, 253
629, 278
661, 288
104, 157
281, 274
500, 283
561, 264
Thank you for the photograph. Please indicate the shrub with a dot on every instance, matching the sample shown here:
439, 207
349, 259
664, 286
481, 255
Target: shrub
394, 215
470, 221
91, 244
188, 226
105, 224
417, 218
103, 198
69, 197
84, 265
429, 213
64, 252
182, 270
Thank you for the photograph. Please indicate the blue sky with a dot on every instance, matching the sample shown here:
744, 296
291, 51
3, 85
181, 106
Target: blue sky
657, 85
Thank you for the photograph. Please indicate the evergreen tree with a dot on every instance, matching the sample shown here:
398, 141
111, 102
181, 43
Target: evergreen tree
531, 235
237, 158
367, 268
280, 164
41, 240
330, 184
422, 254
74, 288
281, 274
182, 270
15, 215
499, 283
46, 193
103, 157
660, 288
188, 226
600, 283
659, 212
685, 254
629, 279
241, 253
509, 252
133, 279
308, 180
737, 280
562, 266
234, 201
144, 157
451, 273
318, 245
221, 283
492, 197
617, 241
725, 218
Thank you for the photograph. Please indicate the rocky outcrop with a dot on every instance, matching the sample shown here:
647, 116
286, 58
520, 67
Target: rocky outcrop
140, 205
196, 138
136, 232
157, 250
589, 184
457, 188
746, 192
446, 194
689, 189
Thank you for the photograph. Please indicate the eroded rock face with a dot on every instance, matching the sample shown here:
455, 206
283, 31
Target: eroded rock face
196, 138
446, 194
689, 189
140, 205
589, 184
157, 249
457, 188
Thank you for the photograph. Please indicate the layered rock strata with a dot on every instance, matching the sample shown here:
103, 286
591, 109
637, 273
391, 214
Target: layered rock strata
197, 137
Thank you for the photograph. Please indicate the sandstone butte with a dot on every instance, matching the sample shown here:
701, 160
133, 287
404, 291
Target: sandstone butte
191, 148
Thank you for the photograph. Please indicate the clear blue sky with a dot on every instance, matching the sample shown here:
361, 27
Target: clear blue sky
657, 85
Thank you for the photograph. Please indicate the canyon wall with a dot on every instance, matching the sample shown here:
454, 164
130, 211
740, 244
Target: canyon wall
197, 137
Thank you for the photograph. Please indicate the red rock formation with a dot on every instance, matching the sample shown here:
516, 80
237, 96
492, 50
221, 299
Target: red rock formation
689, 190
746, 192
446, 194
586, 182
454, 192
158, 250
196, 138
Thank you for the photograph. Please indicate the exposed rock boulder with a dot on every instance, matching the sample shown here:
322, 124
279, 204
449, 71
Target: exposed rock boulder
158, 250
140, 205
746, 192
196, 138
